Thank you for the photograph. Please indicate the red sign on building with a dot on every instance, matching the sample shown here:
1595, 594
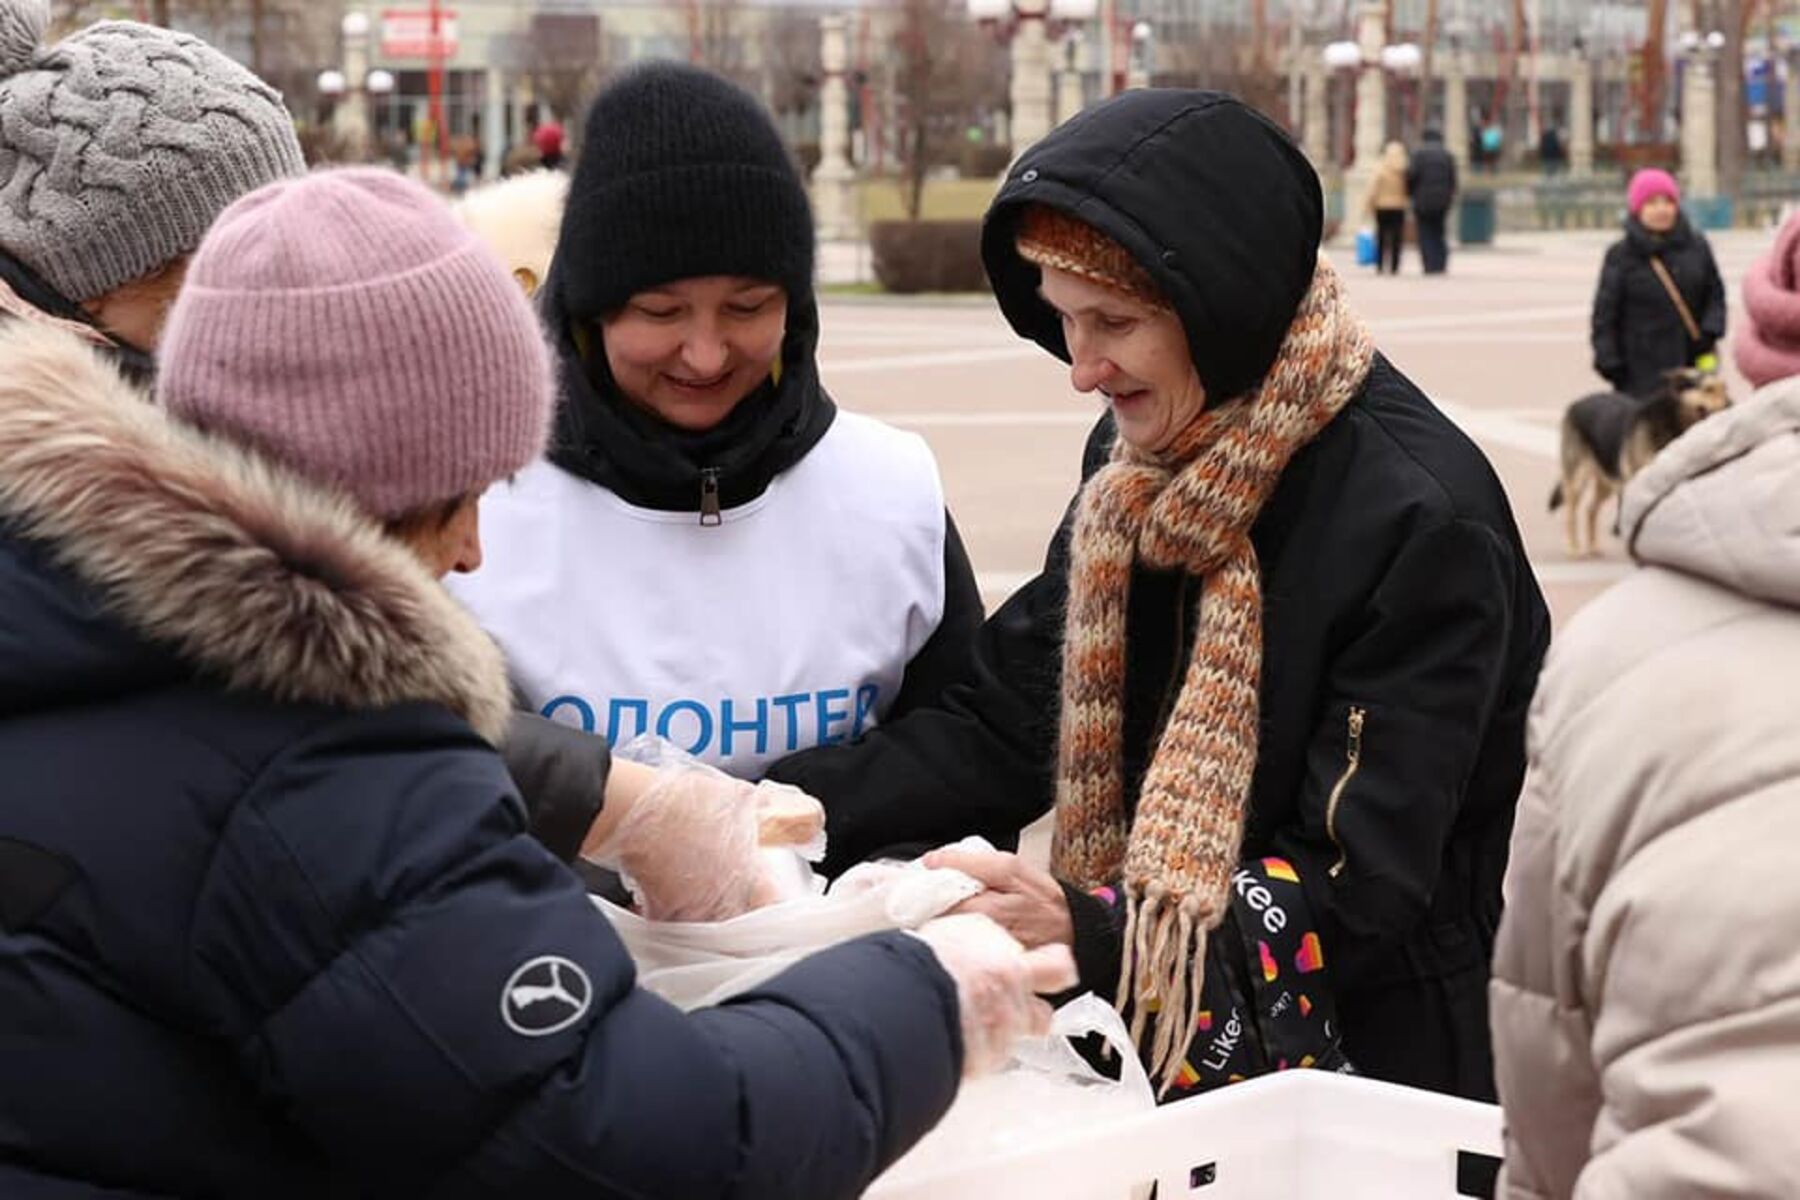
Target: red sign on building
406, 33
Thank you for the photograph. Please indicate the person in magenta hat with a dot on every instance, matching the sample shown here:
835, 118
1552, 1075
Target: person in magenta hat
1661, 300
271, 920
547, 138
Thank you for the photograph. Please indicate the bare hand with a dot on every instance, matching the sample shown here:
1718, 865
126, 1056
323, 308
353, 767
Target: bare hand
1024, 900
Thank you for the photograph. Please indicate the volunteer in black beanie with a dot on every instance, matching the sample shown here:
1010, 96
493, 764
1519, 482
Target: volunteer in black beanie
681, 175
712, 552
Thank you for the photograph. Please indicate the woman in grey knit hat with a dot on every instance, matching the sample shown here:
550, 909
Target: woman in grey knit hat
119, 145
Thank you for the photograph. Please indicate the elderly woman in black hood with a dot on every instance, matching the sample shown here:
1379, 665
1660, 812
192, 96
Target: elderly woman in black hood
1274, 676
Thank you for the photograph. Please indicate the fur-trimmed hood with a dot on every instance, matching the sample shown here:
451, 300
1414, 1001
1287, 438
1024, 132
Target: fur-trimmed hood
257, 578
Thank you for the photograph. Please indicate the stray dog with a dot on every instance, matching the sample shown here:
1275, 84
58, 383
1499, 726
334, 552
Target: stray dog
1608, 437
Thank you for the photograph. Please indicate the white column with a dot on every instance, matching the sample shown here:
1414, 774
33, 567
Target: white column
1790, 115
493, 121
834, 176
1456, 107
1031, 112
350, 119
1137, 74
1581, 115
1699, 133
1371, 103
1317, 122
1070, 96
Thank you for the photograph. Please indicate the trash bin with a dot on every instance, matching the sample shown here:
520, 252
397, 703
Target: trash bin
1710, 212
1475, 218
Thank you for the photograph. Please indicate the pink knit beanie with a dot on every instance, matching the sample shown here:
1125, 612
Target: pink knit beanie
1647, 183
1767, 342
347, 325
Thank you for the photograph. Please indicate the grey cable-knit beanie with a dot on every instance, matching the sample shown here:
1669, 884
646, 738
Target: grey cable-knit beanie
121, 144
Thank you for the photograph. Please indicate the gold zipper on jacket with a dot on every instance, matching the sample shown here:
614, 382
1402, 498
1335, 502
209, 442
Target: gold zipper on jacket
1352, 760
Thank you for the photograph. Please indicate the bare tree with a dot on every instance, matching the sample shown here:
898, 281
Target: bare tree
1222, 56
945, 78
565, 60
791, 61
716, 32
283, 41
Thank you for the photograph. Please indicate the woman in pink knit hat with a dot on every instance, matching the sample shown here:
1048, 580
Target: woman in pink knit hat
1661, 301
271, 920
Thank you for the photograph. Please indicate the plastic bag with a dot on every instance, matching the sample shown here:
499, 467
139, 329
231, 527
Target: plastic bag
695, 965
1048, 1092
1365, 248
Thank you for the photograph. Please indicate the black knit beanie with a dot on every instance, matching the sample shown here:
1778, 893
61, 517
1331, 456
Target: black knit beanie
682, 174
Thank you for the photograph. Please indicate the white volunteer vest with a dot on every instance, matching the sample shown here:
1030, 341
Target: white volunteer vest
787, 626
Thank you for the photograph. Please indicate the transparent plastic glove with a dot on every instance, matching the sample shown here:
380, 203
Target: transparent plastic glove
693, 845
998, 983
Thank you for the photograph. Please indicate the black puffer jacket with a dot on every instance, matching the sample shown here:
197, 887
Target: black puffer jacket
270, 923
1403, 632
1638, 333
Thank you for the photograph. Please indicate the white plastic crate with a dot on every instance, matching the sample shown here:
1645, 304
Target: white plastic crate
1291, 1136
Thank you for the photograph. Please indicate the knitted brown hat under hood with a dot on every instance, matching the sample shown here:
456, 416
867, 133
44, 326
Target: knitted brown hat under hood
1049, 237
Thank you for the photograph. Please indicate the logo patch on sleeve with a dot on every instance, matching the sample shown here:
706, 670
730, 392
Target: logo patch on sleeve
546, 996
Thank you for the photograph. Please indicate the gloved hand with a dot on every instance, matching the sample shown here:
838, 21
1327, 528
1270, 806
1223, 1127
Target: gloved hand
998, 983
692, 845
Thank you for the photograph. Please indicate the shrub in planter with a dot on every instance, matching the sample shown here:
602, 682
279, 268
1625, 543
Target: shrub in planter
983, 160
928, 256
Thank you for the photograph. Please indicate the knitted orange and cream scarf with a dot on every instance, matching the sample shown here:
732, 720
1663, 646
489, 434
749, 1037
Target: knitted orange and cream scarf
1189, 508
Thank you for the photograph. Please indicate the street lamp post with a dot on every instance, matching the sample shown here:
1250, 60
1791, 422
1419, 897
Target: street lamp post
1071, 96
1143, 41
1371, 98
1699, 114
1456, 98
1404, 61
834, 176
1317, 121
1031, 114
1581, 113
1790, 112
351, 87
1343, 60
1026, 25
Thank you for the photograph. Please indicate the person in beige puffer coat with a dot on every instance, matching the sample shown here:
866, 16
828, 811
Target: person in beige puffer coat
1646, 991
1387, 204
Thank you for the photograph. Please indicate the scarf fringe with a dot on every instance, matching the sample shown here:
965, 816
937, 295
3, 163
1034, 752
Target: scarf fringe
1163, 978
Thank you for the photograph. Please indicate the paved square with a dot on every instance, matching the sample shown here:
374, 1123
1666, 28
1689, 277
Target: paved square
1501, 344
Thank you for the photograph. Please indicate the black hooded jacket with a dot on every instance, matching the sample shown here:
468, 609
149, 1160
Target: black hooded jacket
1403, 628
1638, 332
1431, 176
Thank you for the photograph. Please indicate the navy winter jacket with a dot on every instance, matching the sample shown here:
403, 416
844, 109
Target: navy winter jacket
271, 923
